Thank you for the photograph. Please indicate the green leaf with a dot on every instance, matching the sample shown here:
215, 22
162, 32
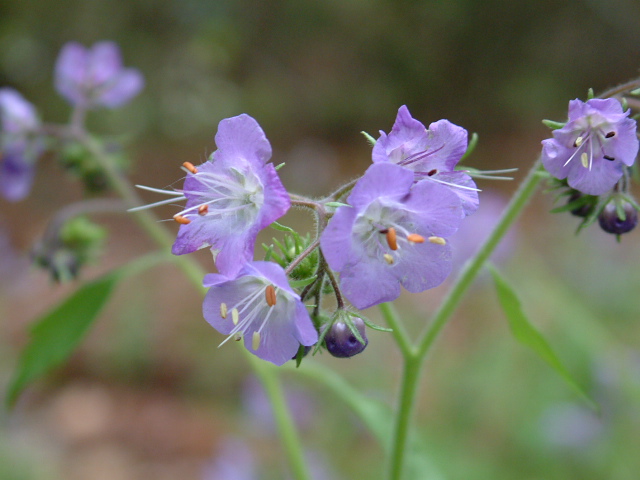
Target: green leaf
527, 334
56, 335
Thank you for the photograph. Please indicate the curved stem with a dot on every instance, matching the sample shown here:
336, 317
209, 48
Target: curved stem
472, 268
195, 273
414, 359
399, 332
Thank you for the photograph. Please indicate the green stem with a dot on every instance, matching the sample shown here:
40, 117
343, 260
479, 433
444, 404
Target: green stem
408, 393
472, 268
414, 356
195, 273
399, 331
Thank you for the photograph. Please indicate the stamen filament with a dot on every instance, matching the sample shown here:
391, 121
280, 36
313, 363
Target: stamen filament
156, 204
158, 190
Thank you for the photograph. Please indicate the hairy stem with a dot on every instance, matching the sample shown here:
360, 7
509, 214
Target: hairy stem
413, 362
195, 273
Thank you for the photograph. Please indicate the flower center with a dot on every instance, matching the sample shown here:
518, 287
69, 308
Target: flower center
590, 141
385, 232
235, 195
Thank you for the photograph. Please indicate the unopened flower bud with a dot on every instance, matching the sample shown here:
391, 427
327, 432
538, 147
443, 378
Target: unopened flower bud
611, 222
585, 209
342, 343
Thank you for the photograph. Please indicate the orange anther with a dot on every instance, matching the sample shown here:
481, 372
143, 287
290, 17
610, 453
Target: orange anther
181, 220
391, 239
415, 238
189, 166
270, 294
203, 209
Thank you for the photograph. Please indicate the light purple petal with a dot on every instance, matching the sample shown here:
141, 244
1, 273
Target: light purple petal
435, 209
242, 137
18, 116
70, 72
104, 63
16, 177
121, 89
462, 185
381, 179
367, 283
601, 178
276, 198
336, 242
405, 137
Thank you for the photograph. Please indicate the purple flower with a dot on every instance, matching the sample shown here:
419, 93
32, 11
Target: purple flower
231, 197
234, 461
592, 149
20, 144
393, 234
95, 77
432, 154
258, 305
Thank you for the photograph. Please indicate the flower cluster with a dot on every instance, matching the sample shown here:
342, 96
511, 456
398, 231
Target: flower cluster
590, 157
391, 233
95, 77
87, 78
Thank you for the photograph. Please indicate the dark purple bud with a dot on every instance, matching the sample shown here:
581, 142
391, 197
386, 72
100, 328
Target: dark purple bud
342, 343
611, 222
584, 209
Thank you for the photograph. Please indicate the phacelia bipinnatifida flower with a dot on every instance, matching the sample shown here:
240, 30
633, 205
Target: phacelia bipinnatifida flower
593, 148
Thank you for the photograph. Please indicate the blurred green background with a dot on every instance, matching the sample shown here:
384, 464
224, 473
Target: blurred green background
150, 395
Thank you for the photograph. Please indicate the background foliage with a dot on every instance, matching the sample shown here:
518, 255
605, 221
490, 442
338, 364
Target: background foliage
149, 393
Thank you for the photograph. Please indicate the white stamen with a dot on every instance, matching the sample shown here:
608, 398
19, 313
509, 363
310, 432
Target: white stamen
235, 316
151, 205
157, 190
437, 240
578, 141
388, 258
455, 185
223, 310
255, 341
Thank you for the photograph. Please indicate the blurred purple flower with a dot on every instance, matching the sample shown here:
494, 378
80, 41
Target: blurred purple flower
20, 144
231, 197
432, 154
258, 305
593, 148
571, 426
475, 229
95, 77
234, 461
392, 234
